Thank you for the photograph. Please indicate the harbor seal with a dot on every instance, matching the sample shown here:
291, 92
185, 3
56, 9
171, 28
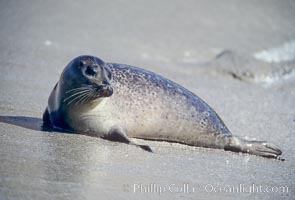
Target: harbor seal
119, 102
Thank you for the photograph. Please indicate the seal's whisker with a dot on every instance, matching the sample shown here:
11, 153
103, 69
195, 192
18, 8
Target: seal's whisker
90, 95
83, 86
75, 94
80, 97
87, 98
77, 89
76, 97
83, 96
94, 95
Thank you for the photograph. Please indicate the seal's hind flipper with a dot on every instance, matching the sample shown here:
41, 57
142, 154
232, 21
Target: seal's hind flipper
118, 134
259, 148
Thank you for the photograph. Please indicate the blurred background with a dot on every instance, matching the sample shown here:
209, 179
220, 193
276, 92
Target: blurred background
237, 55
132, 31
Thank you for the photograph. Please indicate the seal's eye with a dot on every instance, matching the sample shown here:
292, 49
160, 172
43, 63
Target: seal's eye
90, 71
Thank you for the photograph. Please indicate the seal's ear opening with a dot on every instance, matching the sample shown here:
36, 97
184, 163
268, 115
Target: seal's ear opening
108, 72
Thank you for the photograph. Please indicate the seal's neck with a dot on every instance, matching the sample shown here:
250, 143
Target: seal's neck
90, 105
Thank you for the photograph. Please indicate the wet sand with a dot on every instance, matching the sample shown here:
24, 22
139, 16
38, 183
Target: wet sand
235, 55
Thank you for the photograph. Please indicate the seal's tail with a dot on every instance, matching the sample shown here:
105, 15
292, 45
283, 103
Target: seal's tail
259, 148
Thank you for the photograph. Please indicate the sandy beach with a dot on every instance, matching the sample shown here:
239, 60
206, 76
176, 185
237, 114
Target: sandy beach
238, 56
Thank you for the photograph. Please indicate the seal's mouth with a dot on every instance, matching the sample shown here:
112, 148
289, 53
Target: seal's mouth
104, 90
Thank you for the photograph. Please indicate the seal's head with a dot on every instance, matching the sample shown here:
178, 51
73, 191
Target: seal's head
86, 78
84, 82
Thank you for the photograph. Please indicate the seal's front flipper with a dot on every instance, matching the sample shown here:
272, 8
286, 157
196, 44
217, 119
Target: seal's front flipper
117, 134
259, 148
46, 119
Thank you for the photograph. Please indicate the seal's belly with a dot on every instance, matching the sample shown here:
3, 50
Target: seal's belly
149, 121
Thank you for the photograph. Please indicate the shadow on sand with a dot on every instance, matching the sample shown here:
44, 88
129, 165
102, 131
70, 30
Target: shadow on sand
31, 123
